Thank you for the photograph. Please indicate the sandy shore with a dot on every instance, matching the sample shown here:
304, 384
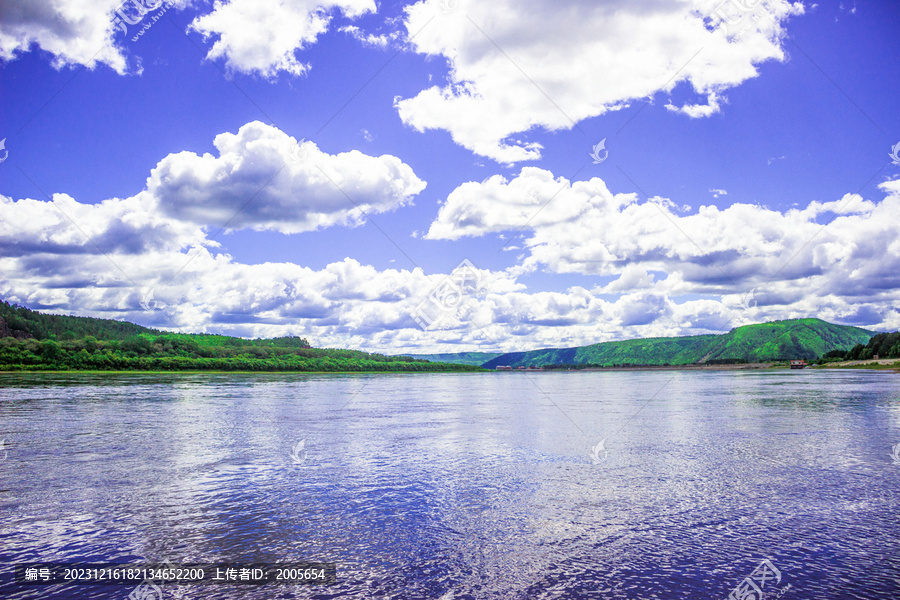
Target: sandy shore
881, 363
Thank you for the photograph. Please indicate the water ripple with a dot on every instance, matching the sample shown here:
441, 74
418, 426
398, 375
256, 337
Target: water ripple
472, 485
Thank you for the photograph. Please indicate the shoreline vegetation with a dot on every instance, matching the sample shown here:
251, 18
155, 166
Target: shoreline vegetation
31, 341
872, 365
4, 371
883, 365
693, 367
877, 365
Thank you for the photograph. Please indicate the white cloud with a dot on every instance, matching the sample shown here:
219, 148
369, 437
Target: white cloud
717, 192
497, 204
264, 36
255, 183
696, 111
102, 260
554, 64
75, 32
351, 304
252, 36
590, 230
66, 227
370, 39
633, 277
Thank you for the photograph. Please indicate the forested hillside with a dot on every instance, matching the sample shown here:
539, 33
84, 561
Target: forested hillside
31, 340
775, 341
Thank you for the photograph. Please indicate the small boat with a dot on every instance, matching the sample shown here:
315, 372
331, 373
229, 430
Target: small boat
798, 364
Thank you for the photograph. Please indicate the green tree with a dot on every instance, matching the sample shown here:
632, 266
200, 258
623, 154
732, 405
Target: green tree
51, 351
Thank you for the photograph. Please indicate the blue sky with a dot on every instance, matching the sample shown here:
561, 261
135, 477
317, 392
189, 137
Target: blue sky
160, 180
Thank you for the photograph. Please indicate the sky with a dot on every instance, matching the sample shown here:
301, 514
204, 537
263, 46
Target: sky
451, 175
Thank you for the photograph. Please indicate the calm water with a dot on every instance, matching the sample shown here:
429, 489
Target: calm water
475, 485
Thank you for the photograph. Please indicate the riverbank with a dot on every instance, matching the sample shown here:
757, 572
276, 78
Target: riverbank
693, 367
885, 364
221, 372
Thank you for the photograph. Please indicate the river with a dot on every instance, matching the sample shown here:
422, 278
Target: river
463, 486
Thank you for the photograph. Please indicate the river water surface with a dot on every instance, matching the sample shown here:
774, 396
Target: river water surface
461, 485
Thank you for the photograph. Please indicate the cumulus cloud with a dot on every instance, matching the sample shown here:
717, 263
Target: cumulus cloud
344, 304
498, 204
66, 227
837, 260
75, 32
252, 36
351, 304
517, 65
256, 182
846, 248
264, 36
263, 180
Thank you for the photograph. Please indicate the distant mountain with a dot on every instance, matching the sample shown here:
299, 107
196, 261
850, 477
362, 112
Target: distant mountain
777, 340
459, 358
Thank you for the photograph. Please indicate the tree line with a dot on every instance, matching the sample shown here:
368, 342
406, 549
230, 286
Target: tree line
30, 340
175, 353
882, 345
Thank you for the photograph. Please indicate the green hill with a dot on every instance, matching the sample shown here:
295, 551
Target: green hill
35, 341
22, 323
777, 340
